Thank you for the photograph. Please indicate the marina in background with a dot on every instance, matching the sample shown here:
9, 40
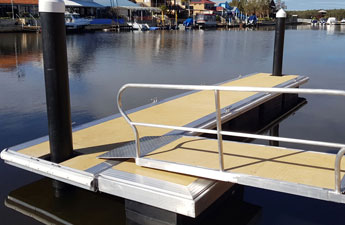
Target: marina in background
129, 205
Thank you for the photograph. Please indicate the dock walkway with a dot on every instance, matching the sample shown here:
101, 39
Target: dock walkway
185, 194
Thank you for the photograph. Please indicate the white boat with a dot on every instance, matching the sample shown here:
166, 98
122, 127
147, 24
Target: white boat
140, 27
342, 21
73, 21
332, 20
323, 21
206, 20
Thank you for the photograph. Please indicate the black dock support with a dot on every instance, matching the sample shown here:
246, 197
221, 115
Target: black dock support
52, 14
279, 43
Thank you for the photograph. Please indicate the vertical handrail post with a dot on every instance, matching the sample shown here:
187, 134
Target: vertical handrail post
137, 141
124, 115
279, 43
337, 168
219, 130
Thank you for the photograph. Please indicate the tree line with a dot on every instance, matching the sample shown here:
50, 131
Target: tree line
309, 14
261, 8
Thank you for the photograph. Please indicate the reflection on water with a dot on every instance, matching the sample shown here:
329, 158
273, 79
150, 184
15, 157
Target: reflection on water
100, 63
75, 206
78, 206
16, 50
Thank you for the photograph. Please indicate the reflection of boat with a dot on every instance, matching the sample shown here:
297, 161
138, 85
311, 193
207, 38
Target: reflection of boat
332, 20
73, 21
206, 20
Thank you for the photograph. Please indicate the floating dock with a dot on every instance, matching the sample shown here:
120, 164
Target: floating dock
183, 194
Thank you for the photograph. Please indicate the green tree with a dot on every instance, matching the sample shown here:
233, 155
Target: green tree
264, 8
164, 8
239, 4
307, 14
259, 7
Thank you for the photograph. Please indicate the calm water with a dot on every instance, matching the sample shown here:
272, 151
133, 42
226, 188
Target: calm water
99, 63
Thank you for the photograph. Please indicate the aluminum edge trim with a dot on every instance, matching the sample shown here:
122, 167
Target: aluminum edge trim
208, 197
50, 169
157, 199
249, 180
143, 182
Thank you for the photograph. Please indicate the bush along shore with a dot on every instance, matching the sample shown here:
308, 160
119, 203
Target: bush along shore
310, 14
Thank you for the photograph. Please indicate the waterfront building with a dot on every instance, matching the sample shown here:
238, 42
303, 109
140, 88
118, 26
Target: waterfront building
28, 8
84, 7
202, 6
130, 11
158, 3
322, 13
151, 3
18, 7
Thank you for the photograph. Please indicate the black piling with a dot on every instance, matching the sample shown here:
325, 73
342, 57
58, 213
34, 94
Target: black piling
52, 14
279, 43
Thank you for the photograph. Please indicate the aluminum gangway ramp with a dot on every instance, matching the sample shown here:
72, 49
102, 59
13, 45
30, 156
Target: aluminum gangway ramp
300, 172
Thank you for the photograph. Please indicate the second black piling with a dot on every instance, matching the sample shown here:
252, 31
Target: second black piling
279, 43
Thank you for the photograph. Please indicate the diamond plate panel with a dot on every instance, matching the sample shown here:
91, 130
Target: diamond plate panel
147, 145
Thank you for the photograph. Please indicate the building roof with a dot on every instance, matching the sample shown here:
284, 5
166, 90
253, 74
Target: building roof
125, 4
225, 5
76, 3
202, 2
79, 3
115, 3
21, 2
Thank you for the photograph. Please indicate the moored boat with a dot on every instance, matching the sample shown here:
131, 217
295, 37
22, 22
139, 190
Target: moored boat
73, 21
252, 20
323, 21
331, 21
140, 27
314, 22
206, 20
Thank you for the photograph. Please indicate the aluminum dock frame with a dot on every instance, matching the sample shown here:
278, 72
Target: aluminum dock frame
183, 194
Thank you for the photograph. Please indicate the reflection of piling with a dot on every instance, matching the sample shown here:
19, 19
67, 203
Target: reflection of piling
279, 43
52, 13
274, 131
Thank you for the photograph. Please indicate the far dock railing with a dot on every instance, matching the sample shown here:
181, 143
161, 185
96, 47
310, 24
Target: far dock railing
219, 131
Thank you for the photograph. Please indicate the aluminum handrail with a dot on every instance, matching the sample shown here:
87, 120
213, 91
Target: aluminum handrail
219, 131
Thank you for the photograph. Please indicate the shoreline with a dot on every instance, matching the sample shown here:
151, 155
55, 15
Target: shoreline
90, 28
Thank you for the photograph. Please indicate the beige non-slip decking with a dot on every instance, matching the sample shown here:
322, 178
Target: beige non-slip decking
281, 164
96, 140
